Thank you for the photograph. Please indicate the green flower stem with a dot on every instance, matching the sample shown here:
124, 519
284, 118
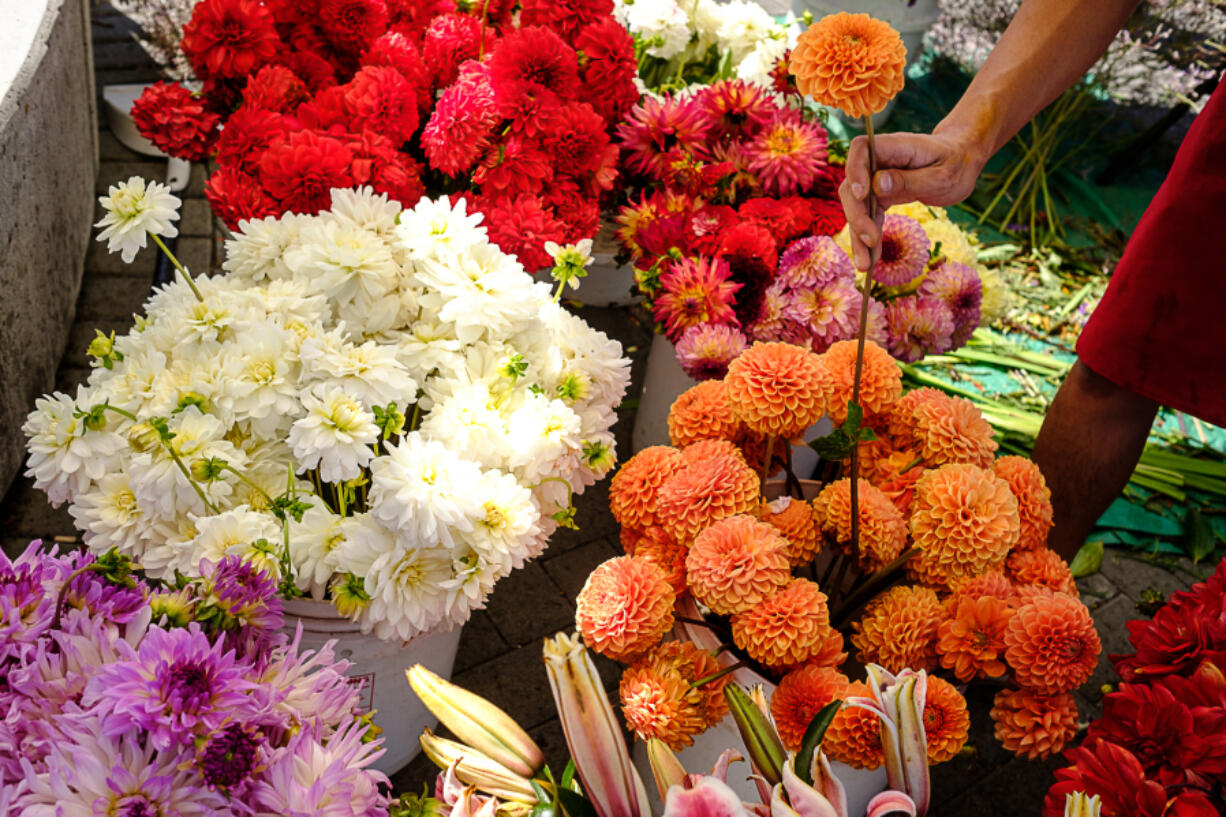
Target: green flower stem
240, 475
174, 455
187, 276
715, 676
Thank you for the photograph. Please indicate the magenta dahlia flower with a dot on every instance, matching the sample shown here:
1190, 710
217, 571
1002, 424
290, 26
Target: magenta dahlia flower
735, 109
918, 325
788, 155
656, 127
958, 287
693, 292
829, 312
904, 251
705, 351
812, 261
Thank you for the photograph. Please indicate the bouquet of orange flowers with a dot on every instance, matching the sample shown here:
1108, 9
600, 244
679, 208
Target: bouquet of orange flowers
948, 571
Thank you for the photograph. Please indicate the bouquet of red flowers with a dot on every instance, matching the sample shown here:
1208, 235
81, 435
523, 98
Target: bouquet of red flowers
733, 236
1159, 748
512, 111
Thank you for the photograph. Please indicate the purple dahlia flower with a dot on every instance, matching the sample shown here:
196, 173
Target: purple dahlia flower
918, 325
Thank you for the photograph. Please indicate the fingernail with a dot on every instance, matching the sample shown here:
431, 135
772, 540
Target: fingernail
857, 190
866, 240
886, 182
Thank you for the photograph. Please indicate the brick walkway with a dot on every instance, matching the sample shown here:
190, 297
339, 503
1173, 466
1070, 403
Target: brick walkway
499, 654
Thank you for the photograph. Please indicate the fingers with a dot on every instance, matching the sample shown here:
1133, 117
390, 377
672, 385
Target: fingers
865, 232
936, 184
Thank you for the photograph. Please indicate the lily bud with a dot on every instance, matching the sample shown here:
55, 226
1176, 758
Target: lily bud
665, 767
761, 740
476, 769
478, 723
1080, 804
593, 733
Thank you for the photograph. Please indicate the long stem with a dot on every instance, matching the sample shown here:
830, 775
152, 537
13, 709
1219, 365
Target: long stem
715, 676
860, 341
867, 590
766, 462
187, 276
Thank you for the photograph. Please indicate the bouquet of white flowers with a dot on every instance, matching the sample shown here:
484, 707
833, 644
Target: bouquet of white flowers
378, 406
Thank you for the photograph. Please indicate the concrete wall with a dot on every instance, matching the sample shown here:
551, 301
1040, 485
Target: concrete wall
48, 160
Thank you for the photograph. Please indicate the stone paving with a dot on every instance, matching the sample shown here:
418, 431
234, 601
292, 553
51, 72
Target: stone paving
499, 654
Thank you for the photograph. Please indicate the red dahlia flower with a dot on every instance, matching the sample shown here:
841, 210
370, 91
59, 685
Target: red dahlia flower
828, 216
410, 17
462, 124
235, 197
532, 61
312, 69
380, 99
515, 167
576, 142
377, 162
1177, 640
450, 40
175, 121
301, 169
704, 228
579, 213
398, 51
247, 133
352, 25
229, 38
520, 226
567, 17
609, 70
1114, 774
655, 127
1205, 687
735, 109
275, 88
785, 218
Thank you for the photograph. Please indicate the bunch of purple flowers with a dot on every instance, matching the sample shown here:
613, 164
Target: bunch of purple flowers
123, 698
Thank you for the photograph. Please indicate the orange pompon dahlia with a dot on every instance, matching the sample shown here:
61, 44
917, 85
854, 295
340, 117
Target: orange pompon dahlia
629, 537
632, 491
736, 563
1051, 644
702, 412
786, 630
963, 520
952, 430
796, 521
625, 607
833, 651
992, 583
777, 389
666, 553
753, 446
1042, 567
883, 532
899, 629
703, 492
900, 420
658, 702
695, 664
880, 383
971, 642
801, 694
947, 724
1033, 499
896, 475
703, 449
853, 62
1034, 726
854, 736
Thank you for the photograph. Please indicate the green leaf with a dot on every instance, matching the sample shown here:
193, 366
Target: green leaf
834, 446
575, 805
813, 739
855, 416
568, 774
1088, 560
542, 794
1198, 539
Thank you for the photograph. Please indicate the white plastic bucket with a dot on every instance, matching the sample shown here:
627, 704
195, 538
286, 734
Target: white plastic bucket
608, 283
861, 784
377, 669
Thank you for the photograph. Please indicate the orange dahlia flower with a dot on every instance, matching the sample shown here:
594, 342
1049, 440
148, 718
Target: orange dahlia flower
702, 412
854, 736
1051, 643
947, 724
883, 533
786, 630
753, 446
777, 389
853, 62
895, 476
704, 492
705, 449
801, 694
833, 651
952, 430
992, 583
898, 629
795, 520
900, 421
1034, 726
695, 664
666, 553
880, 383
736, 563
1033, 499
658, 702
632, 491
1042, 567
963, 520
625, 607
971, 641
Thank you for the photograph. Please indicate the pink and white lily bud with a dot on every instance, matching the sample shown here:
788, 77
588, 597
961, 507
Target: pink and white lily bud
1080, 804
475, 769
665, 767
593, 733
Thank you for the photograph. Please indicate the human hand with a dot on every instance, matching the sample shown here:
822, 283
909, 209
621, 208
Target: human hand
938, 169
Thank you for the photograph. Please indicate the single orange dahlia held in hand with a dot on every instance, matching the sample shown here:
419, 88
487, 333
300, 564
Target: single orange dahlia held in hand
736, 563
800, 696
777, 389
1051, 643
1034, 726
853, 62
625, 607
632, 491
787, 629
947, 724
899, 629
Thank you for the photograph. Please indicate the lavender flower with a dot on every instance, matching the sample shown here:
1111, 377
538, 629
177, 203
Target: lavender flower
813, 261
239, 598
326, 778
958, 287
26, 608
177, 686
706, 350
297, 685
918, 325
230, 756
829, 312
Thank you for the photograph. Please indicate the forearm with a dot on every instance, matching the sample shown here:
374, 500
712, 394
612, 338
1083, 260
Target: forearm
1047, 47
